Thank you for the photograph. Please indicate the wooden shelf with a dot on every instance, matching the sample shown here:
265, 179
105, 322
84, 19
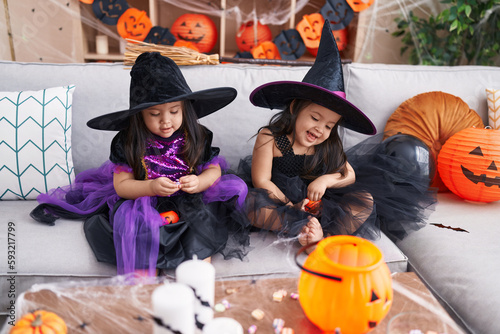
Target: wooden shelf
108, 57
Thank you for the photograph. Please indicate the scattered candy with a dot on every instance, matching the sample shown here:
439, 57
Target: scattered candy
252, 329
226, 304
287, 330
294, 295
416, 331
258, 314
219, 307
277, 296
230, 291
278, 325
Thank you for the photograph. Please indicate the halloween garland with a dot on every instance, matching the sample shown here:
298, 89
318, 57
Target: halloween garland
198, 31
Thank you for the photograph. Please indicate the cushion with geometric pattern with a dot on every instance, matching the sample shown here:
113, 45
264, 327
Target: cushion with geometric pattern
35, 142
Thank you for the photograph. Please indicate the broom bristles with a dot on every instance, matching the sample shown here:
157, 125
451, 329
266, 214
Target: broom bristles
180, 55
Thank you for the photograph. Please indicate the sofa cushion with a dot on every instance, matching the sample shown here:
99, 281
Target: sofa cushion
35, 141
433, 117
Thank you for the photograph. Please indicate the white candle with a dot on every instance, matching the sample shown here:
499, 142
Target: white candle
223, 325
173, 306
101, 44
199, 275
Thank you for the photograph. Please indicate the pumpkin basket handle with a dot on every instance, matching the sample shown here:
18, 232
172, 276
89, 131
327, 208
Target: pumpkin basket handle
303, 249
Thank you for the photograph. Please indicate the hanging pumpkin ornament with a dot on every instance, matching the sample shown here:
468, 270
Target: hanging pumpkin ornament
88, 2
134, 24
40, 321
310, 28
266, 50
359, 5
469, 164
160, 35
290, 44
341, 38
345, 285
250, 35
338, 12
109, 11
198, 29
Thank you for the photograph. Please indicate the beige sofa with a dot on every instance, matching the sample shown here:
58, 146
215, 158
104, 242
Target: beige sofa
460, 268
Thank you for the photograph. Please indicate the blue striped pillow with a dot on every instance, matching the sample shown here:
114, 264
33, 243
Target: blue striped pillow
35, 142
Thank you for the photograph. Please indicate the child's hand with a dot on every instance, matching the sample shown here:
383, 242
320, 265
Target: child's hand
189, 183
316, 190
163, 186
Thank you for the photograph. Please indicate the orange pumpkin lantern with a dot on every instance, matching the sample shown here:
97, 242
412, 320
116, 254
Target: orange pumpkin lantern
198, 29
340, 38
134, 24
40, 322
169, 217
345, 284
266, 50
250, 35
310, 28
469, 164
186, 44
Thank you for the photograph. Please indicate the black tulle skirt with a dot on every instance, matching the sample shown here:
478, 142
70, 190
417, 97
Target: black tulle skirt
391, 194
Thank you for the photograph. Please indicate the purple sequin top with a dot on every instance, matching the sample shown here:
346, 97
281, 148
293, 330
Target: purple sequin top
163, 157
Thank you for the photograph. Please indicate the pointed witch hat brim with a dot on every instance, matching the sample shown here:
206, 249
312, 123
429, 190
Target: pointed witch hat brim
323, 84
156, 79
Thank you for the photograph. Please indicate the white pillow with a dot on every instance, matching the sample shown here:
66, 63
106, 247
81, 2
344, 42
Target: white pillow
35, 142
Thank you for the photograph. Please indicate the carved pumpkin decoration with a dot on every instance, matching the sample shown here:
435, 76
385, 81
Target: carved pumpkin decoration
250, 35
266, 50
338, 12
198, 29
88, 2
40, 322
469, 164
160, 35
359, 5
186, 44
345, 285
310, 28
169, 217
340, 38
134, 24
290, 44
109, 11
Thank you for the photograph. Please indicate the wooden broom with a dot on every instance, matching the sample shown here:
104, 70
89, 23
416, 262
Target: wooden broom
186, 56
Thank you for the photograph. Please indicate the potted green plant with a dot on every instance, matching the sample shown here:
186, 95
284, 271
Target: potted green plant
466, 32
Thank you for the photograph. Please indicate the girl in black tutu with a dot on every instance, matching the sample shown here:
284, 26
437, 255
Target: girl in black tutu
161, 160
305, 185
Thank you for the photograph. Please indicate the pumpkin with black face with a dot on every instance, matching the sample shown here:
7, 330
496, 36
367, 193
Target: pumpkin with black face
359, 5
198, 29
469, 164
134, 24
109, 11
290, 44
249, 36
338, 12
353, 291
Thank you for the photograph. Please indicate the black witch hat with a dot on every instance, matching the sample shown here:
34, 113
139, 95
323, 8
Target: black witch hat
323, 84
156, 79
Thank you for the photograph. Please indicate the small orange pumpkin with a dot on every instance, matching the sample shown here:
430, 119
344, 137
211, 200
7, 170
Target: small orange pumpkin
40, 321
469, 164
198, 29
249, 35
186, 44
134, 24
266, 50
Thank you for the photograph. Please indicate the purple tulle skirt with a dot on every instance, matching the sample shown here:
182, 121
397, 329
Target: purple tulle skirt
132, 234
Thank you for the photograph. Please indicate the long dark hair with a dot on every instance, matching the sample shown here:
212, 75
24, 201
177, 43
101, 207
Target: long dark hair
329, 153
137, 134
